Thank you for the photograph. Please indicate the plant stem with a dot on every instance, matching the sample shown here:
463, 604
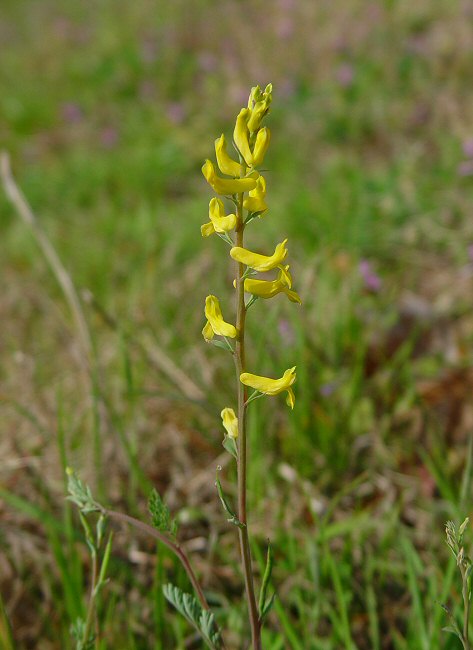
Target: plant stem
466, 613
242, 457
91, 606
171, 545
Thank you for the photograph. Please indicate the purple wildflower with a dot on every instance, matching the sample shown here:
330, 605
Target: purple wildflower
465, 168
286, 88
371, 280
71, 112
345, 75
176, 112
108, 137
207, 61
326, 390
468, 147
286, 332
285, 27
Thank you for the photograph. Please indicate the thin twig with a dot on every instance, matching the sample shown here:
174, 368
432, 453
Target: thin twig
466, 611
155, 355
91, 607
22, 207
172, 546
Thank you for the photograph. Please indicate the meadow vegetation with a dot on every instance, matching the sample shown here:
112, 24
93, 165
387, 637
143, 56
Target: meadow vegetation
107, 110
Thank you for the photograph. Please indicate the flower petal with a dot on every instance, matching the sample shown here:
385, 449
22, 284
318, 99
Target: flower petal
230, 422
292, 295
226, 186
262, 288
255, 202
207, 229
219, 222
260, 262
213, 314
208, 332
290, 399
226, 164
262, 141
266, 384
225, 224
240, 135
284, 276
270, 288
216, 209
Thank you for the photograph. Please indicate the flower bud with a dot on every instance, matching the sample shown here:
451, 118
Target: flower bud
230, 422
263, 138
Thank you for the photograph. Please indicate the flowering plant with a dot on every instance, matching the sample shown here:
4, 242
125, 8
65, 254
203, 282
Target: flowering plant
241, 184
244, 188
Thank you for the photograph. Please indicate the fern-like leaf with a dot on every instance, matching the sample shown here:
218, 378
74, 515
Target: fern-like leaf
160, 515
80, 494
202, 620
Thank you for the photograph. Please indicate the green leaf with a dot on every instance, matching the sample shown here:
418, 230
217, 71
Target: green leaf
104, 565
100, 529
263, 606
226, 506
160, 515
230, 445
80, 494
253, 215
267, 608
190, 608
88, 534
452, 630
468, 570
251, 301
226, 238
77, 632
6, 634
462, 528
223, 345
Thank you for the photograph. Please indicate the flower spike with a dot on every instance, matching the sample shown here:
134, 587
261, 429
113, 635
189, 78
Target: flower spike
237, 177
269, 386
215, 323
260, 262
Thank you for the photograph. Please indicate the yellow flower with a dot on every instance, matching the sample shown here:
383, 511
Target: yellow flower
258, 103
262, 141
255, 202
255, 96
215, 323
219, 222
226, 185
230, 422
226, 164
240, 135
268, 289
260, 262
272, 386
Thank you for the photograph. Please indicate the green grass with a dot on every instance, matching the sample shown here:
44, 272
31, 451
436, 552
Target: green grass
108, 111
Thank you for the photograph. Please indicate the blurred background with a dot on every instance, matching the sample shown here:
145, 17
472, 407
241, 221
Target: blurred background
108, 110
